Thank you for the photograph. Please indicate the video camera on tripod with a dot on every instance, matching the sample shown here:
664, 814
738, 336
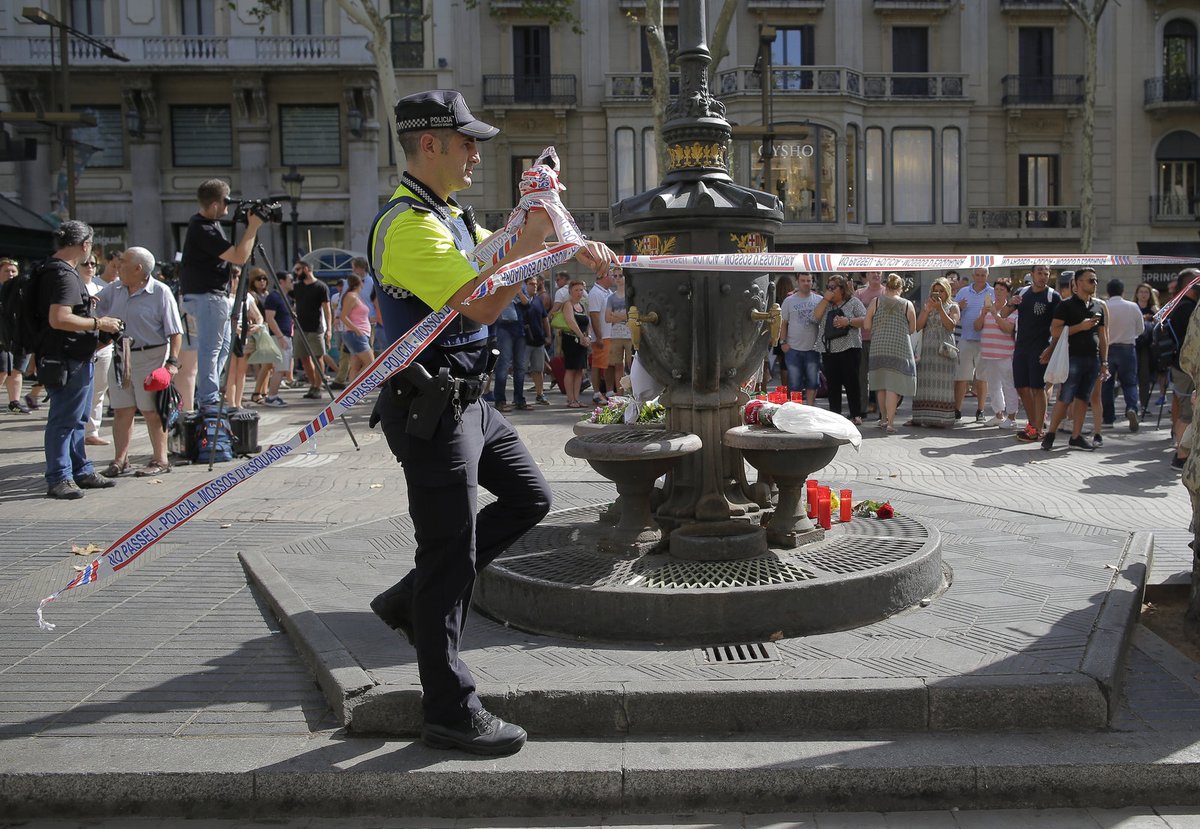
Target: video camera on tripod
269, 209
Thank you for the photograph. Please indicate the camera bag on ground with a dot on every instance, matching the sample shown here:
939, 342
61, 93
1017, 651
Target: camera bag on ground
214, 436
181, 438
245, 432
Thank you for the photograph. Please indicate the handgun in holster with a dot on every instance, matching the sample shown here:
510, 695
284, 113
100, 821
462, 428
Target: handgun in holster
430, 397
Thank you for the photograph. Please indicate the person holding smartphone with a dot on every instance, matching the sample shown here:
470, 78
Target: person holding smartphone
1082, 320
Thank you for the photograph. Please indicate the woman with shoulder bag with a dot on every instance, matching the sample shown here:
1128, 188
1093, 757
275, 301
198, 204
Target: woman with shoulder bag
839, 338
933, 404
575, 343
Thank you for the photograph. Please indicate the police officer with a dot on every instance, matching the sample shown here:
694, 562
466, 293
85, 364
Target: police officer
447, 441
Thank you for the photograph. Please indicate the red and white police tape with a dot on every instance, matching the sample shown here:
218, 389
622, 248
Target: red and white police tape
856, 262
126, 549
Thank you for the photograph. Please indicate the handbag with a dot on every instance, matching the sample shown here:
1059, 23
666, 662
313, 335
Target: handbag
916, 338
948, 350
559, 321
266, 350
832, 333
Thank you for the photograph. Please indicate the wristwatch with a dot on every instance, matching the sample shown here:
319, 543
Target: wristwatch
171, 361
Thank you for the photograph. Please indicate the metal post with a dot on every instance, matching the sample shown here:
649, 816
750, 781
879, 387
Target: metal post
295, 230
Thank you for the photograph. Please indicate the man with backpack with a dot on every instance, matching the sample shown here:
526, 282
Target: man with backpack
66, 341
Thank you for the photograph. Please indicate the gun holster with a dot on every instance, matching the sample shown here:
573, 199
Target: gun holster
425, 397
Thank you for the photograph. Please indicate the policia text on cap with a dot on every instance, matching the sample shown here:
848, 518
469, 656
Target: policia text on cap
449, 442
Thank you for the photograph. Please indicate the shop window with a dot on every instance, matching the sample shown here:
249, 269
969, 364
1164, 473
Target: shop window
310, 136
874, 148
803, 173
201, 136
625, 163
951, 173
912, 176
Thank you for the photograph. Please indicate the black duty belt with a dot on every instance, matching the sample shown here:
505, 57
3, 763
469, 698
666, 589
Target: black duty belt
146, 347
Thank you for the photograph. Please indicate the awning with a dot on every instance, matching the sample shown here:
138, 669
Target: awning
23, 233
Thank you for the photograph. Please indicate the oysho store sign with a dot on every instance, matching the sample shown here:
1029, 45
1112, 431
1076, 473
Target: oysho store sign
791, 151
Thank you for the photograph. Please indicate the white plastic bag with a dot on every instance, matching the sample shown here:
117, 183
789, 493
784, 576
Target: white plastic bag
1059, 366
811, 420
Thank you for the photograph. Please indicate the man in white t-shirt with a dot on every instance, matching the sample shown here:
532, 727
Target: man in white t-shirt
798, 339
1125, 325
600, 330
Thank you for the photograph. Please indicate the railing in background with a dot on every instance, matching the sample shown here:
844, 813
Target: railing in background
500, 90
307, 51
1042, 90
1059, 217
1179, 208
841, 80
635, 86
1172, 89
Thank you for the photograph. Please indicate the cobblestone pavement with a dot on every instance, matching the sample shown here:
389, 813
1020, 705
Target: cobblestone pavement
179, 647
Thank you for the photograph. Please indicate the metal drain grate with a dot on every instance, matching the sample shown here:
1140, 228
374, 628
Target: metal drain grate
692, 575
846, 555
740, 654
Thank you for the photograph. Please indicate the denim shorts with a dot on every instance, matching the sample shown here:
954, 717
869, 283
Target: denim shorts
1081, 378
355, 342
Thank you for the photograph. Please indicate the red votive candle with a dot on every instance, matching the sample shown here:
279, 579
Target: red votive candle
797, 397
844, 514
823, 510
812, 488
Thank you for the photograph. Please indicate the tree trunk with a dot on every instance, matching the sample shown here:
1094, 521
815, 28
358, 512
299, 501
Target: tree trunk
364, 13
1089, 15
661, 79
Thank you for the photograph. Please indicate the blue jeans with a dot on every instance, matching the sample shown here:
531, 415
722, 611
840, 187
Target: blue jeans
510, 339
214, 336
1122, 364
1081, 379
66, 425
803, 370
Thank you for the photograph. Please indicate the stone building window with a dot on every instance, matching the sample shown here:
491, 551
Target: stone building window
310, 136
201, 136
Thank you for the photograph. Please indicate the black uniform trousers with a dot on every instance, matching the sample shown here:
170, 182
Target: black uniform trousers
455, 540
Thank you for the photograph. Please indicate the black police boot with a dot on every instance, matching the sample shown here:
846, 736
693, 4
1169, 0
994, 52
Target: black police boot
482, 733
394, 607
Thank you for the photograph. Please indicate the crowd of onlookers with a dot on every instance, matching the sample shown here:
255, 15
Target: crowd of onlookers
970, 348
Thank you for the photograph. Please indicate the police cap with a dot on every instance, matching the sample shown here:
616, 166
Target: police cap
440, 109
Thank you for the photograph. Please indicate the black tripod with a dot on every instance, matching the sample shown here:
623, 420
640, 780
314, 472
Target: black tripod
238, 346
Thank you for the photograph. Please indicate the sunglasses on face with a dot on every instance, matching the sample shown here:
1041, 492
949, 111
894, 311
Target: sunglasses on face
89, 264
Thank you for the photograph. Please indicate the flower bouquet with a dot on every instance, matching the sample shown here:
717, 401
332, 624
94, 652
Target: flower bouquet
616, 411
874, 509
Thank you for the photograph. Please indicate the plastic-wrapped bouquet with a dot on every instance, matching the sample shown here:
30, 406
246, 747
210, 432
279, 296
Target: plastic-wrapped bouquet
874, 509
616, 411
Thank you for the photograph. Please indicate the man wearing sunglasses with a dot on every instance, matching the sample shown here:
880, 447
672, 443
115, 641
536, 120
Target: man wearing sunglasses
1082, 320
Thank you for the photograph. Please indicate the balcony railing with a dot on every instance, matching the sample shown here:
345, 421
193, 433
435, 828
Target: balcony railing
1065, 217
633, 86
505, 90
1033, 6
1042, 90
841, 80
316, 51
1171, 209
1174, 89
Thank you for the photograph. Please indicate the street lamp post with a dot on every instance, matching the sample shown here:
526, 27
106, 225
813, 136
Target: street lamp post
36, 15
293, 182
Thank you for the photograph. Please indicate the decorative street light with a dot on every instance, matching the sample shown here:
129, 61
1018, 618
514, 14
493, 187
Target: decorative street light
36, 15
293, 182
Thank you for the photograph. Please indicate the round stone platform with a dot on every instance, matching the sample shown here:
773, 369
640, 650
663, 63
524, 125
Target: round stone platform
555, 581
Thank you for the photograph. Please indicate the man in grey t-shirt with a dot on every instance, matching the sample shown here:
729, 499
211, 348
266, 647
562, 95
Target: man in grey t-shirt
798, 339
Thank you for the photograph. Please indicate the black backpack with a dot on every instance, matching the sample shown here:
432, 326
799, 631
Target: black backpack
1164, 345
19, 329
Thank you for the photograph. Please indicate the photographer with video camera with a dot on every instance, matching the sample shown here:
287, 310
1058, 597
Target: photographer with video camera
204, 275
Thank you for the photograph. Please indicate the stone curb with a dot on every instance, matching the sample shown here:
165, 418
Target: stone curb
328, 776
1104, 658
337, 672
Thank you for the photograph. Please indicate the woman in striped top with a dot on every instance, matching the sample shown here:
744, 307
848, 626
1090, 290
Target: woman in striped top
996, 351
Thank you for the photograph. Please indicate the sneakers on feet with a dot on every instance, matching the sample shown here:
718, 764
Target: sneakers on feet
17, 407
998, 420
483, 733
1097, 440
312, 394
94, 481
64, 490
1178, 462
979, 415
958, 414
541, 401
1079, 443
1048, 441
1028, 434
336, 386
1132, 417
274, 401
32, 402
1007, 423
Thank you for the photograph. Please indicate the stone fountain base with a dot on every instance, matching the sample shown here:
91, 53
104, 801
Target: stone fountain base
556, 581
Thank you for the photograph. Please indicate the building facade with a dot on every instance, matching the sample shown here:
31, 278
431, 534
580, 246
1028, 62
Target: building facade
886, 125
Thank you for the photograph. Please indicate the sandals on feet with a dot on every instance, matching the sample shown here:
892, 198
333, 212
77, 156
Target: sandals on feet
114, 469
151, 469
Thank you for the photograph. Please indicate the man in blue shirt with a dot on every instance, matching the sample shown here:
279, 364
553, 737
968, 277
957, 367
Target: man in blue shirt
971, 299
